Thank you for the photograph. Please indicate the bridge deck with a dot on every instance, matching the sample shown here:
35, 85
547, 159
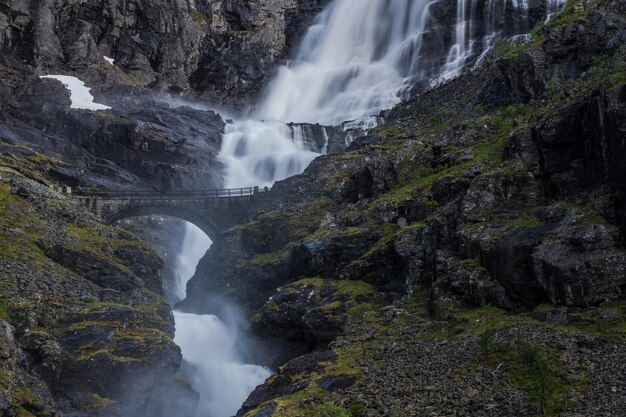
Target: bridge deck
178, 194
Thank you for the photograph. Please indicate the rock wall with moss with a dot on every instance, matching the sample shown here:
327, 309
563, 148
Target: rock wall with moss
85, 330
465, 258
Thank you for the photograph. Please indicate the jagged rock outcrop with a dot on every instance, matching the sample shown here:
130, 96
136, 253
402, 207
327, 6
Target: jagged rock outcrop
138, 145
221, 46
85, 330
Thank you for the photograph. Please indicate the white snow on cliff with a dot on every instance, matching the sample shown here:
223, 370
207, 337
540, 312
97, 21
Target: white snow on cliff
79, 93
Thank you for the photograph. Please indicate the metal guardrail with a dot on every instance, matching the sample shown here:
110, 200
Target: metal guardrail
216, 193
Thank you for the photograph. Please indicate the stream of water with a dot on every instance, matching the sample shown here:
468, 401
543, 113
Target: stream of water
208, 344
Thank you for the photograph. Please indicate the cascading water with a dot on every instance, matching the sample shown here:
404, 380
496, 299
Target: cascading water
213, 369
358, 58
355, 60
208, 345
195, 245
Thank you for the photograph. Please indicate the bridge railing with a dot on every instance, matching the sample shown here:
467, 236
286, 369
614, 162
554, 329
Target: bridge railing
216, 193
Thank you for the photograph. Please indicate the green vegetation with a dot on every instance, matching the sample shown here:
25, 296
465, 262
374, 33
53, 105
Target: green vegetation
27, 162
271, 257
359, 311
355, 408
355, 289
331, 410
297, 404
24, 400
606, 321
197, 17
511, 49
99, 402
23, 412
385, 131
397, 412
442, 116
146, 338
573, 11
99, 236
17, 215
536, 369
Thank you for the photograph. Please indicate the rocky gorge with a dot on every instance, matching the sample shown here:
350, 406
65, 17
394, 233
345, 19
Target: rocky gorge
464, 258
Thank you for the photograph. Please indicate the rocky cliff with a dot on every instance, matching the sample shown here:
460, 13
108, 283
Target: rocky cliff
467, 257
85, 330
222, 46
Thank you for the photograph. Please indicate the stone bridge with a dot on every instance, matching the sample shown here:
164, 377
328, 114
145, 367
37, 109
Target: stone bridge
213, 211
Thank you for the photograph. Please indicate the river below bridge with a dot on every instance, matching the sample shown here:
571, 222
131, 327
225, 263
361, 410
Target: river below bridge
212, 363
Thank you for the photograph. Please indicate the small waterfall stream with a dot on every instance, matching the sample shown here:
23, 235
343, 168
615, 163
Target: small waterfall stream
208, 344
357, 58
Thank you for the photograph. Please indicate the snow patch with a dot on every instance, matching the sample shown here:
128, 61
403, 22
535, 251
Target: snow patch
79, 93
109, 60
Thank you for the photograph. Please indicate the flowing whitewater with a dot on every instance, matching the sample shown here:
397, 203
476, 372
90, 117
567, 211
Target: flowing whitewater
358, 58
209, 345
209, 349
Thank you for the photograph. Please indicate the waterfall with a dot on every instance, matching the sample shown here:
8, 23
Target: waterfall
195, 244
460, 50
209, 346
357, 58
354, 61
213, 369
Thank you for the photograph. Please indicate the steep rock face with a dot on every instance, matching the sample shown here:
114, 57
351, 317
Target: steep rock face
220, 46
137, 145
85, 330
247, 40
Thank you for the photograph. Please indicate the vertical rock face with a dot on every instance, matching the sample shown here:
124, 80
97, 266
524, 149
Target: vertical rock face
247, 39
223, 46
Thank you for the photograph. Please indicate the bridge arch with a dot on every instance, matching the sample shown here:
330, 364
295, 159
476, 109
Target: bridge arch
191, 216
212, 211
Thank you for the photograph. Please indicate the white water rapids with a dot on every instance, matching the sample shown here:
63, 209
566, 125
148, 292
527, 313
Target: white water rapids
208, 345
358, 57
